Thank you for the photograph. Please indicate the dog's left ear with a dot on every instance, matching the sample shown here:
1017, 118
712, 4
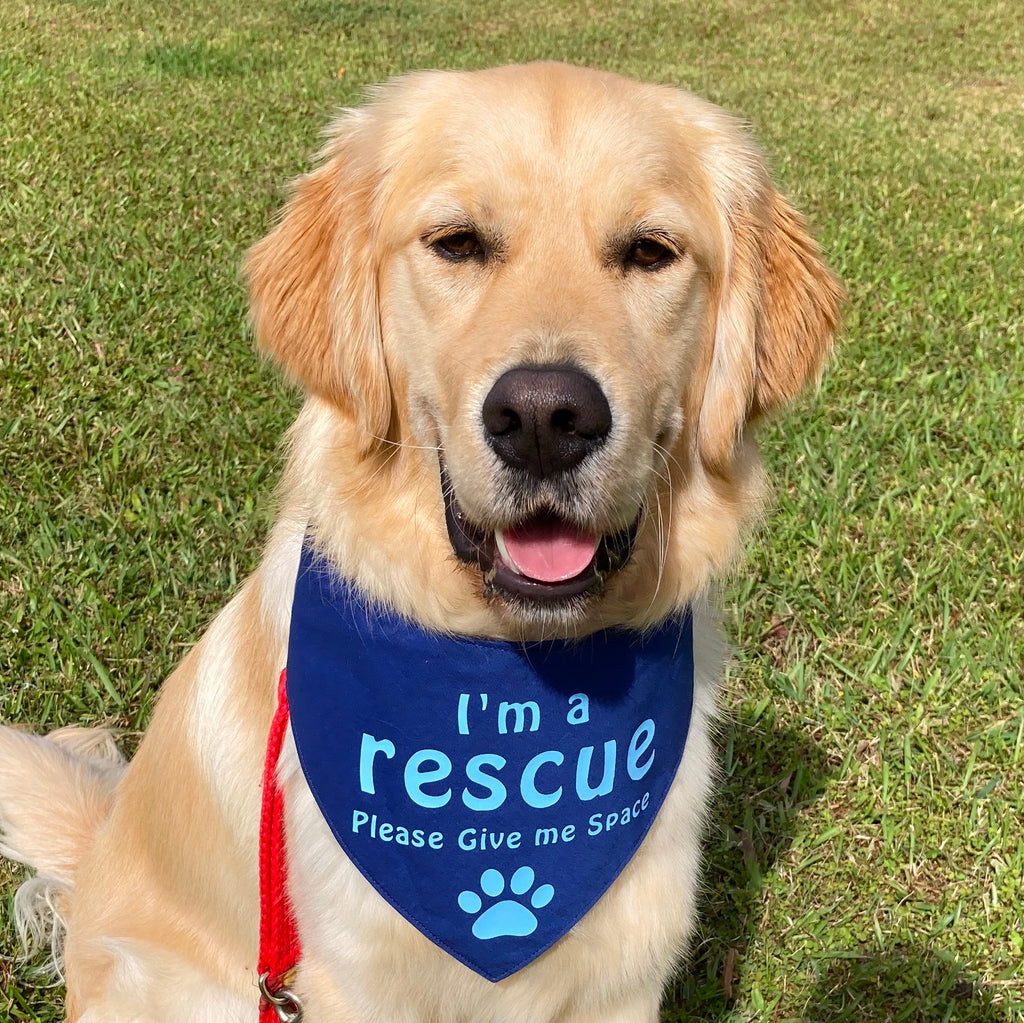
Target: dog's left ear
777, 313
313, 282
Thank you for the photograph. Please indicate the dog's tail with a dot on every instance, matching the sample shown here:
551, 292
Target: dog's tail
55, 792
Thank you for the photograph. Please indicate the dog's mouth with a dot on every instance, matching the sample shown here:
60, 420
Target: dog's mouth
544, 558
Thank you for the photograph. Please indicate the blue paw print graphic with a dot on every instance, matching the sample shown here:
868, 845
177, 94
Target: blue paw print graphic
510, 917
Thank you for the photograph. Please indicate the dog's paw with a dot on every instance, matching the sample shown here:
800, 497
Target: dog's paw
509, 917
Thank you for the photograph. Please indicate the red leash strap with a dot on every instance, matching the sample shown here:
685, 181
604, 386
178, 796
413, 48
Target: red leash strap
279, 940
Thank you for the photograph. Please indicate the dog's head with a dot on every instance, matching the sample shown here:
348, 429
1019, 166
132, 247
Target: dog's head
561, 296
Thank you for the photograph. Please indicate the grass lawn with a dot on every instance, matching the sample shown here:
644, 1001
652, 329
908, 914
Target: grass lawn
866, 856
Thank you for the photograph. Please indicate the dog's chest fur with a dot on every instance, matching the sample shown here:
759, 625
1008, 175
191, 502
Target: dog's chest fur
352, 938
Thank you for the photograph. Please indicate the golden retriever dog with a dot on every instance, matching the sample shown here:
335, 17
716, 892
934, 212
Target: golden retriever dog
535, 312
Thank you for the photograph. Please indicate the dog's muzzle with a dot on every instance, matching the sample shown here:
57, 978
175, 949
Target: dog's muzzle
542, 422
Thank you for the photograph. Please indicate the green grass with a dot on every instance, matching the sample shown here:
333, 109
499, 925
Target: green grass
866, 858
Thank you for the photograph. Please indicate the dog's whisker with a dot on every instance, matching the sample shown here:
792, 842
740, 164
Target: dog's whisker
406, 445
661, 524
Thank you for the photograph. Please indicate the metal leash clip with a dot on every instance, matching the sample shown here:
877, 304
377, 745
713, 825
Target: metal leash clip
285, 1002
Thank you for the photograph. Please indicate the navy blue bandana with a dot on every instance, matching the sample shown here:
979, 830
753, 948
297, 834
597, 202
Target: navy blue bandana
490, 791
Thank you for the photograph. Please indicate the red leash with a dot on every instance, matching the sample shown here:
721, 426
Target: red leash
279, 939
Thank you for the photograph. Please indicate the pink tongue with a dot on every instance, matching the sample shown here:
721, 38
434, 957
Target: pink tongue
549, 550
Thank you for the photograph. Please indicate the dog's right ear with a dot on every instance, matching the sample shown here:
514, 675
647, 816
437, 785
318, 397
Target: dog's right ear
313, 282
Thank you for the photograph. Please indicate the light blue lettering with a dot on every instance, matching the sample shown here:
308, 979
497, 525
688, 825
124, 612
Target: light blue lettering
471, 839
598, 822
476, 775
638, 746
528, 785
519, 709
416, 776
579, 709
367, 752
550, 836
545, 836
583, 787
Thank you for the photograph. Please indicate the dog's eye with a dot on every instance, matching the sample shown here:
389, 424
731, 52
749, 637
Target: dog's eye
649, 254
459, 245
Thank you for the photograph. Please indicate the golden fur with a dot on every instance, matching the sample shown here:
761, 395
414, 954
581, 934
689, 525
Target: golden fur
153, 866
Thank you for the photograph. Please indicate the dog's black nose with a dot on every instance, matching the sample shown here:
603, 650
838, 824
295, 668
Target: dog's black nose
545, 419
